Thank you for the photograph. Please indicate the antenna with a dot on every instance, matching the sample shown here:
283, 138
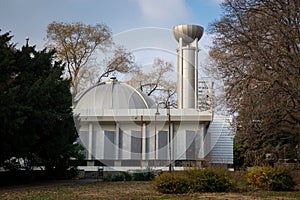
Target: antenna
27, 41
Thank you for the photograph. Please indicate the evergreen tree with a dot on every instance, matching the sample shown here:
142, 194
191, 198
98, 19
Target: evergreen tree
37, 119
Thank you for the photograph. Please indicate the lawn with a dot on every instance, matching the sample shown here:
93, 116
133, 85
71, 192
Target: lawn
122, 190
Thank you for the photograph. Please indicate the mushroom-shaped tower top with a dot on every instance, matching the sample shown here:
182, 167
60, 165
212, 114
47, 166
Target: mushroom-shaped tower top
187, 32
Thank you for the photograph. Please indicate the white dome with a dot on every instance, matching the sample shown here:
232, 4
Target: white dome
113, 95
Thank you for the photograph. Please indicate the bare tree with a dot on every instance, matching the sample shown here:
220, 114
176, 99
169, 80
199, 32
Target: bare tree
256, 52
157, 83
121, 61
77, 44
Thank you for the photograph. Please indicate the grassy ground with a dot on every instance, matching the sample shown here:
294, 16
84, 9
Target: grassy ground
123, 190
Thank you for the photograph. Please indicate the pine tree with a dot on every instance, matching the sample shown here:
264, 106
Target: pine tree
39, 102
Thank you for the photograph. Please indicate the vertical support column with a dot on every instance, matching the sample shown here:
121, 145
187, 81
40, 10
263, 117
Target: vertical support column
90, 144
155, 136
117, 141
144, 135
180, 75
196, 73
141, 141
100, 141
188, 90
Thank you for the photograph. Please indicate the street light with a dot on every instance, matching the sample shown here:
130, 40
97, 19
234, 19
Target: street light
169, 123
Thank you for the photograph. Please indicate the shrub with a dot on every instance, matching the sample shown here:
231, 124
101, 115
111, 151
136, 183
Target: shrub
122, 176
143, 175
210, 180
118, 177
269, 178
107, 178
138, 175
127, 176
194, 180
169, 183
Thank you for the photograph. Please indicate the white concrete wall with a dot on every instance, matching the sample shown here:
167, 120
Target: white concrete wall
179, 144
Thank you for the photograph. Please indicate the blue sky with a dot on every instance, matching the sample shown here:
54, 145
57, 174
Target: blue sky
144, 27
31, 17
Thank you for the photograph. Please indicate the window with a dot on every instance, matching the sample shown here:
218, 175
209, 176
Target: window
190, 145
135, 144
109, 145
163, 145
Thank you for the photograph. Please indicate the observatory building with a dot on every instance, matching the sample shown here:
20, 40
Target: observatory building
121, 127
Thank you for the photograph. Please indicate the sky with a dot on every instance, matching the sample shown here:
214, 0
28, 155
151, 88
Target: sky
29, 18
142, 26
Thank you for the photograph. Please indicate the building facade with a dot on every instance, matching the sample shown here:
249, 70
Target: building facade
121, 127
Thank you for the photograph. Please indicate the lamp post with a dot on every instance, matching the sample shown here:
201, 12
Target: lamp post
169, 123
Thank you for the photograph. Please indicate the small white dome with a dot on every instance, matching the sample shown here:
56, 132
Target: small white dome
113, 95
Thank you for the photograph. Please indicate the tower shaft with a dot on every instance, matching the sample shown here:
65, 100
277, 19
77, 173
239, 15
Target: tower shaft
187, 71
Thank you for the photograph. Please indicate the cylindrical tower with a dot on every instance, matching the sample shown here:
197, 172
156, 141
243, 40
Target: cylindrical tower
187, 77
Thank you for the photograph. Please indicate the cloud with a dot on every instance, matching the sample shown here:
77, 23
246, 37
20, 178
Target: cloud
164, 11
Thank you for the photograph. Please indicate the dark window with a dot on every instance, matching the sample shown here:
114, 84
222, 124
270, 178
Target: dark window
163, 145
190, 144
109, 145
136, 144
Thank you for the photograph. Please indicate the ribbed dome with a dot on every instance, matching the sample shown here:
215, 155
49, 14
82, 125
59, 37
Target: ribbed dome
113, 95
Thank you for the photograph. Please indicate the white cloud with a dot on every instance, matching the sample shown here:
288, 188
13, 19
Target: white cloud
164, 10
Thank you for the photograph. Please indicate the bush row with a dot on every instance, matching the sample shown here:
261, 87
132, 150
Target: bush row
194, 180
219, 180
138, 175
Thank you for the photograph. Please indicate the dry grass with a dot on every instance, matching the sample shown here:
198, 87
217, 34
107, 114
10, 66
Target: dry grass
123, 190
